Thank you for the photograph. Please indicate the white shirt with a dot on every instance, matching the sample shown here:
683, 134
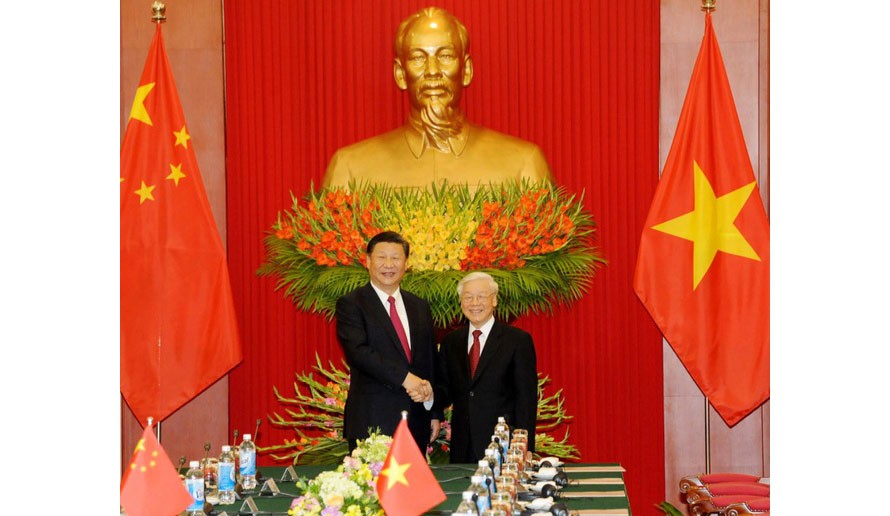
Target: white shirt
485, 329
400, 309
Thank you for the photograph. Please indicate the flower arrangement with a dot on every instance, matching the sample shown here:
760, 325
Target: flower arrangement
533, 238
350, 490
317, 421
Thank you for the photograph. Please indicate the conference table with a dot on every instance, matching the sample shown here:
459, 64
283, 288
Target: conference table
595, 489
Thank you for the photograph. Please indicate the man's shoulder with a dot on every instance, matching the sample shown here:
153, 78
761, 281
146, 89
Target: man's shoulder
394, 139
408, 297
501, 328
357, 293
458, 334
486, 136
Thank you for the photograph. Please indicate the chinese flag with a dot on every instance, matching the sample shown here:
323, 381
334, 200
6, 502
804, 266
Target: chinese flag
406, 485
703, 264
151, 485
178, 328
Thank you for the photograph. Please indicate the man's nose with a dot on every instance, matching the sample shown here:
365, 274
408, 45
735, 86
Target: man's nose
432, 65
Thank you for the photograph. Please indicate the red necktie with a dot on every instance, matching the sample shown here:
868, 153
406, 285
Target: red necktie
397, 322
474, 353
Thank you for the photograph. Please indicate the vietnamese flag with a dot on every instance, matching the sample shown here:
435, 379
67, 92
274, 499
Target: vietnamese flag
703, 264
151, 485
178, 328
406, 485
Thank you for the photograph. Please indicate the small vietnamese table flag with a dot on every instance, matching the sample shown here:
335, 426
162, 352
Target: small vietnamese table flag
151, 485
406, 485
703, 264
179, 333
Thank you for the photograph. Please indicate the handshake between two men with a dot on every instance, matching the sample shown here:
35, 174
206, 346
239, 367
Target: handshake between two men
419, 389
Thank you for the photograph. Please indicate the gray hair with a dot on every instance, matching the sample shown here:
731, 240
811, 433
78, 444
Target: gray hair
477, 276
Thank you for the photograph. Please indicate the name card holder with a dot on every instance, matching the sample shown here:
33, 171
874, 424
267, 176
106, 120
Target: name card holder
289, 475
270, 488
248, 507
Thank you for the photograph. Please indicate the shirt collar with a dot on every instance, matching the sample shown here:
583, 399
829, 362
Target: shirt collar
485, 328
417, 140
384, 297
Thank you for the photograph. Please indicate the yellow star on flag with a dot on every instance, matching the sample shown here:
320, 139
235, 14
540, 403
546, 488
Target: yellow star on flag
182, 137
144, 193
138, 110
175, 173
395, 473
711, 225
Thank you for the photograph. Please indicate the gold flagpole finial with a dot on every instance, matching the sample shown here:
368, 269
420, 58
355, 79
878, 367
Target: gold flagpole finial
158, 9
708, 5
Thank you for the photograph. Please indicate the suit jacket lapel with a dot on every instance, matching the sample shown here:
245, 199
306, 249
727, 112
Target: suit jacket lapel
414, 330
381, 318
492, 344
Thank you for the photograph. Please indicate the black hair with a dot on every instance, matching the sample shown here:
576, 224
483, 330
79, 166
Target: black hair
390, 237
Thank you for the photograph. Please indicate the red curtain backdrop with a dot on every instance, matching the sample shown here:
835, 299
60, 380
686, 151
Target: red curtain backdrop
580, 79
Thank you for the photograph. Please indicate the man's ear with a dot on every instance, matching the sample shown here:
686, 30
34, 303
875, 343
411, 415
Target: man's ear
398, 72
468, 71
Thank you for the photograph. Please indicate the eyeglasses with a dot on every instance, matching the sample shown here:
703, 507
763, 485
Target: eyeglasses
478, 298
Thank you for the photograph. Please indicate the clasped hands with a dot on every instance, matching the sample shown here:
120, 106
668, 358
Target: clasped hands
419, 389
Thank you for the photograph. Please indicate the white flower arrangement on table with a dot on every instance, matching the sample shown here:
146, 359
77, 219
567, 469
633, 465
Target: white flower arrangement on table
350, 490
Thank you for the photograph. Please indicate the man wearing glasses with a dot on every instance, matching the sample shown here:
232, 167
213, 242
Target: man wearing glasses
487, 369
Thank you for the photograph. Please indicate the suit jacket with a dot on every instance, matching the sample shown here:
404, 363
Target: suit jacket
505, 384
378, 364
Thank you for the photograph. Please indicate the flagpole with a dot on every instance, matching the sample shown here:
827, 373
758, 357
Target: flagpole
707, 436
708, 6
158, 16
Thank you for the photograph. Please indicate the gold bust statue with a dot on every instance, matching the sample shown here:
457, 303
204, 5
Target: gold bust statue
433, 65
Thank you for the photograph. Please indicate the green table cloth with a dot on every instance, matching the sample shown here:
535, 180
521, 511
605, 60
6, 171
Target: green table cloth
593, 489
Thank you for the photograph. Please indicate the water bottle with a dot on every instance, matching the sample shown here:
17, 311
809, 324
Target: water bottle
226, 480
502, 430
491, 455
247, 462
211, 473
194, 483
498, 454
483, 469
467, 506
480, 492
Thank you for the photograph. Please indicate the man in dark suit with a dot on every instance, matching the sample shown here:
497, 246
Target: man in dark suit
505, 381
387, 337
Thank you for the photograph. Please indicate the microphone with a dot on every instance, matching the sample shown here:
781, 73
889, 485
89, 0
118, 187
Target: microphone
259, 474
559, 509
235, 439
181, 462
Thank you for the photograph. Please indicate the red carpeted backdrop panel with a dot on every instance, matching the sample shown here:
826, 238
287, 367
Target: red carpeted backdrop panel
580, 79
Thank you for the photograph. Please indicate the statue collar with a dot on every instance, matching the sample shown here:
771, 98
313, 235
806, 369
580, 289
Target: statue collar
418, 140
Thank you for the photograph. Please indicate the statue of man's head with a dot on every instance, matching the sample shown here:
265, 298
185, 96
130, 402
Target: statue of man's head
433, 65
